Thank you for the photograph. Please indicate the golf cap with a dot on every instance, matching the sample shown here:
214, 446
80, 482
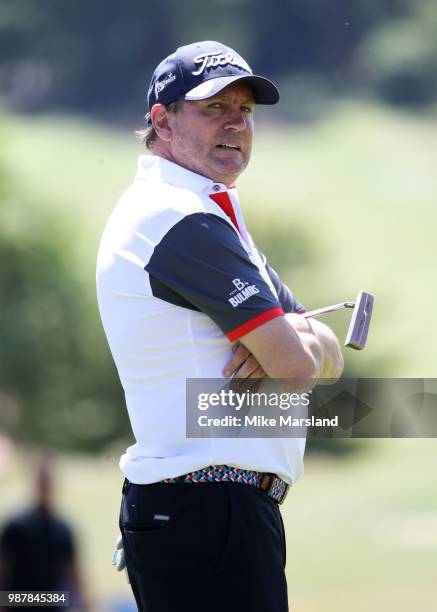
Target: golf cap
199, 71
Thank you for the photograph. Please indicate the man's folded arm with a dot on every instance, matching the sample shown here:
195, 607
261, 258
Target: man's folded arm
200, 264
294, 347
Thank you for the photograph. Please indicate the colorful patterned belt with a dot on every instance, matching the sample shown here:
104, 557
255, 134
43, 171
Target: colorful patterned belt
272, 485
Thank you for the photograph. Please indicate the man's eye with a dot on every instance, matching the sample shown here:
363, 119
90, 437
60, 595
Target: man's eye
247, 109
215, 105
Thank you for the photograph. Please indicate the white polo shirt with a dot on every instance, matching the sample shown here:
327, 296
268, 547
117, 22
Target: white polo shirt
179, 279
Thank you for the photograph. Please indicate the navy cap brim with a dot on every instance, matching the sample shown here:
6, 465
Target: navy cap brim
265, 92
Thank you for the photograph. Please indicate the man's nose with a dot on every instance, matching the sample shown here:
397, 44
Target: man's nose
236, 121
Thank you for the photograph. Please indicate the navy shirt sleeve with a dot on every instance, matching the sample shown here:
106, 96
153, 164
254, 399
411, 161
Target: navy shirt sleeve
287, 300
200, 264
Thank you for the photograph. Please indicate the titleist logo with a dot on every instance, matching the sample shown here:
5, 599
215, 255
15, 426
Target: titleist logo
160, 85
218, 58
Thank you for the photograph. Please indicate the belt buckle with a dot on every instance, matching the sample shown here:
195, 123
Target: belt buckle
284, 495
267, 483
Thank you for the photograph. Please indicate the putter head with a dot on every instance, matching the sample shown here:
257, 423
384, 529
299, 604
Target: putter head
360, 322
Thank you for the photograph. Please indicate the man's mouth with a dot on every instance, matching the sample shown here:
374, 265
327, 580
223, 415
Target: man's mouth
231, 147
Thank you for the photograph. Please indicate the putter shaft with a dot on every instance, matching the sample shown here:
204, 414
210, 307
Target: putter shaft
325, 309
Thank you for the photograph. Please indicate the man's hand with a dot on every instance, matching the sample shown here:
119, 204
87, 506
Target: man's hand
329, 355
243, 364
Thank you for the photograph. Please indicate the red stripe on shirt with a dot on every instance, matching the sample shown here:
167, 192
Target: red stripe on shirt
224, 201
254, 323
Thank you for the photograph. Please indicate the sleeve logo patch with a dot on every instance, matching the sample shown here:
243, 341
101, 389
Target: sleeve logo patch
242, 292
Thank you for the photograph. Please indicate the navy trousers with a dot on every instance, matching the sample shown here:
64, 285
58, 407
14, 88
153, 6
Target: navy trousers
215, 546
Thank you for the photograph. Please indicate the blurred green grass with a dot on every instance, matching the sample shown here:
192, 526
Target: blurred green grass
345, 203
361, 534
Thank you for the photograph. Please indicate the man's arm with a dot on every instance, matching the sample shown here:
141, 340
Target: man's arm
289, 347
293, 347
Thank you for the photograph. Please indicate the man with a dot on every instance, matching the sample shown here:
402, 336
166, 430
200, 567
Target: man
37, 549
199, 518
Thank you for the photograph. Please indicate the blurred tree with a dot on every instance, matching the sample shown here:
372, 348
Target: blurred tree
309, 35
398, 60
90, 55
58, 385
98, 56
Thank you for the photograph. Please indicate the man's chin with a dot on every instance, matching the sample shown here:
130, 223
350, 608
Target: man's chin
228, 171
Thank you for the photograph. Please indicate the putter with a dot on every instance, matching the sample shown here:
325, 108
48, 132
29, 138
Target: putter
360, 322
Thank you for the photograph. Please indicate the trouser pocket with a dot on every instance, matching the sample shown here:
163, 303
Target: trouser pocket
172, 530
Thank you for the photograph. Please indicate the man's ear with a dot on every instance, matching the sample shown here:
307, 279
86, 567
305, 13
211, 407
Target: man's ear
159, 116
